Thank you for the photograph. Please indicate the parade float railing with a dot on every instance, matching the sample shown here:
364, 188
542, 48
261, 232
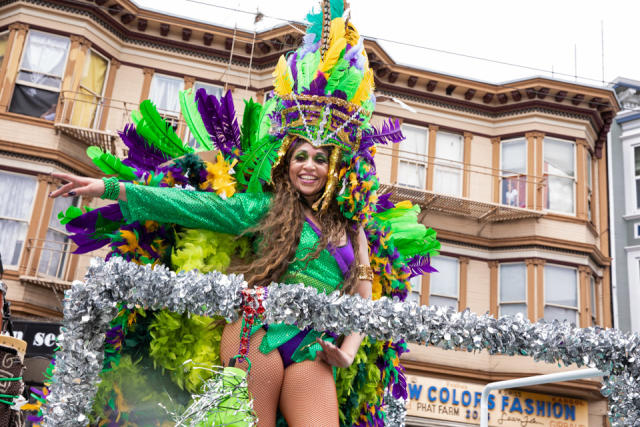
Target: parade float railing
90, 305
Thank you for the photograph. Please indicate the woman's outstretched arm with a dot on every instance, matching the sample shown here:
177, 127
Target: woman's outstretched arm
192, 209
344, 355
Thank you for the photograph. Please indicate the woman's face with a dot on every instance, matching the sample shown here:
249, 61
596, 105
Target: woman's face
308, 169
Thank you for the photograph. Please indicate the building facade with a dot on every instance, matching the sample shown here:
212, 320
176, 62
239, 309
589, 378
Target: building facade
624, 170
512, 176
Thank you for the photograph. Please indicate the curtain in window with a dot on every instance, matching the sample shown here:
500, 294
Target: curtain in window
448, 171
55, 247
412, 164
560, 293
90, 91
513, 289
164, 94
559, 166
444, 284
416, 289
4, 38
17, 193
44, 59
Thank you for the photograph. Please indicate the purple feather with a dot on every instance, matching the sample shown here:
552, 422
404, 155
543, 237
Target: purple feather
293, 66
229, 121
420, 265
317, 85
384, 203
219, 118
141, 156
390, 132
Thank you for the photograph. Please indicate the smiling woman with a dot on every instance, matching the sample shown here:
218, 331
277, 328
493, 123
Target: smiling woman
308, 170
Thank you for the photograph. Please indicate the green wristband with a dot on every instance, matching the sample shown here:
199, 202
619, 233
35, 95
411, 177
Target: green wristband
111, 188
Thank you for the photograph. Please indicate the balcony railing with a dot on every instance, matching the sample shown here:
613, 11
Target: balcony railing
49, 264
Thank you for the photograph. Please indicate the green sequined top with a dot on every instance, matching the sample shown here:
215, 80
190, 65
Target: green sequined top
197, 209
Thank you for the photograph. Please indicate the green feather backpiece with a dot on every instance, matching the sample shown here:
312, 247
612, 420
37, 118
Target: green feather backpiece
193, 119
307, 70
250, 123
152, 127
110, 164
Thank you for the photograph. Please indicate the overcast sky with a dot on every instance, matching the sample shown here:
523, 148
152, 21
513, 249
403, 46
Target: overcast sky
543, 35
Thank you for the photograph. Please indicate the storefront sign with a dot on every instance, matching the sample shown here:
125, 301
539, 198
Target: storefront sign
41, 337
458, 401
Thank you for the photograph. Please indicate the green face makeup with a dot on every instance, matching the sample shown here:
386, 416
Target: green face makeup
319, 158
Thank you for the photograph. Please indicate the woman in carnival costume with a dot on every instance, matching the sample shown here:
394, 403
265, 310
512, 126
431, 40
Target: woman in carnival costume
298, 184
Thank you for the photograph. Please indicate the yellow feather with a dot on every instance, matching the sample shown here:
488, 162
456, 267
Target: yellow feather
363, 92
351, 34
283, 82
337, 43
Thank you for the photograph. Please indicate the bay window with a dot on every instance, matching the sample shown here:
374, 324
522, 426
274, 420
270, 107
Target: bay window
17, 192
88, 100
412, 165
559, 175
40, 75
513, 289
560, 293
164, 93
513, 172
448, 164
444, 284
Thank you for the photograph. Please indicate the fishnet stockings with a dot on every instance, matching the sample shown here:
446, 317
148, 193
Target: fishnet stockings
305, 391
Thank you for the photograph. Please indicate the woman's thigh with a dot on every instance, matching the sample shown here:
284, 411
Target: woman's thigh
265, 377
308, 396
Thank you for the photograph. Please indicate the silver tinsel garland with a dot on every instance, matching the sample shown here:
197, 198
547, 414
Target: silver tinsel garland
90, 305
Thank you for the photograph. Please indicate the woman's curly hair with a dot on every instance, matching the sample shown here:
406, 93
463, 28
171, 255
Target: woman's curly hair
279, 232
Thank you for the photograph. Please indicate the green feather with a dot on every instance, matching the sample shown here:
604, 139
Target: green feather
307, 69
264, 125
337, 73
350, 82
257, 164
192, 116
152, 127
250, 123
110, 164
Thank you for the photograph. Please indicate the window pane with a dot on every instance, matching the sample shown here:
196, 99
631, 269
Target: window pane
638, 192
589, 172
412, 174
513, 309
3, 45
34, 102
514, 191
513, 282
552, 313
44, 59
53, 254
164, 93
416, 289
594, 309
17, 193
94, 72
211, 89
448, 147
443, 301
636, 154
560, 194
415, 145
560, 286
514, 157
13, 234
447, 180
445, 281
89, 98
558, 157
60, 204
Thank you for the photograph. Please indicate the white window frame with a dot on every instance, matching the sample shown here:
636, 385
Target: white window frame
526, 288
576, 309
574, 179
447, 165
406, 159
35, 85
506, 174
457, 282
27, 221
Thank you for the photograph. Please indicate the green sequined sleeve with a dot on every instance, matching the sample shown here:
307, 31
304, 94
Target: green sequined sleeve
194, 209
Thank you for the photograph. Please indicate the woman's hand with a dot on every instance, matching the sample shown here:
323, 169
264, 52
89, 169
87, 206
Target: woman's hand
333, 355
78, 186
